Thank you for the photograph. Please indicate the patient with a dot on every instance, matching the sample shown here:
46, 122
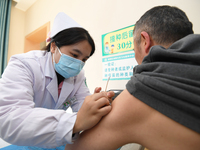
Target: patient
160, 107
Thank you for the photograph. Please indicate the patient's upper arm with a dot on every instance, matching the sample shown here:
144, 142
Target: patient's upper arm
119, 127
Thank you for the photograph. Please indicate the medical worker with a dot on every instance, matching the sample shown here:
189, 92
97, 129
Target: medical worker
37, 87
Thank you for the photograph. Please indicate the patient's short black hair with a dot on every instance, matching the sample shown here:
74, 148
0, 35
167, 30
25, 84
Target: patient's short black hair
165, 24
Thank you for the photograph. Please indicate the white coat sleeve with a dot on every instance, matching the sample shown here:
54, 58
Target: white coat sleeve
20, 122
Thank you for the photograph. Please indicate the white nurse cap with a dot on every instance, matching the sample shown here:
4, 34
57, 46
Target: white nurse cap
61, 22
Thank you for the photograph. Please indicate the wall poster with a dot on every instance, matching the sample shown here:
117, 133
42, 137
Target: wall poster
118, 57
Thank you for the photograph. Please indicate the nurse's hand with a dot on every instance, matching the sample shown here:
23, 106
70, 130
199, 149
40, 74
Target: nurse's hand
97, 90
110, 94
93, 109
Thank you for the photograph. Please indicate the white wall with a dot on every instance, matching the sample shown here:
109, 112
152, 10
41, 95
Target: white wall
100, 17
16, 34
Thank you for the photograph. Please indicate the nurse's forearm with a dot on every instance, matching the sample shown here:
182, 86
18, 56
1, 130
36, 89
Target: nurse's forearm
37, 127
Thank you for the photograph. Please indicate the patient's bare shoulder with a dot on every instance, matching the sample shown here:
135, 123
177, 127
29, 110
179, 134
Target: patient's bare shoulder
154, 130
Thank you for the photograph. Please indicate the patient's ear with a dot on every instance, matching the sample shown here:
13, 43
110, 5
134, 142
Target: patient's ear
145, 42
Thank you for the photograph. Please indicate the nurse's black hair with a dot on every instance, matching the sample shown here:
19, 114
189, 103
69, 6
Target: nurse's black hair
71, 36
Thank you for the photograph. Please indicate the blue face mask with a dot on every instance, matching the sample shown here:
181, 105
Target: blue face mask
68, 66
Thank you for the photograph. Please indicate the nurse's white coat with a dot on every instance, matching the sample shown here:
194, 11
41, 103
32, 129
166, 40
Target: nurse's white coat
30, 110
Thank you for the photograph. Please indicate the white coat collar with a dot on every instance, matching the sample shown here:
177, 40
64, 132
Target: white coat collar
49, 68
